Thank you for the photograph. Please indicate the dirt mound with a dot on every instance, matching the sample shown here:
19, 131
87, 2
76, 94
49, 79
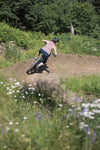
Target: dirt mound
56, 68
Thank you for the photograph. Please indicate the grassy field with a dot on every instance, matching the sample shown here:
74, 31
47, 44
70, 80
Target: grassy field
39, 116
33, 119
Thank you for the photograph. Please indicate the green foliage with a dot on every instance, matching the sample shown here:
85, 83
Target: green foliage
82, 45
86, 84
12, 53
11, 34
51, 16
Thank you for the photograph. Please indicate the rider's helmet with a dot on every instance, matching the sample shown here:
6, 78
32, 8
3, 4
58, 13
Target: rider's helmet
55, 40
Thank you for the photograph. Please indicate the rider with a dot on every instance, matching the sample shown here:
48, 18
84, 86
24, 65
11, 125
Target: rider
46, 50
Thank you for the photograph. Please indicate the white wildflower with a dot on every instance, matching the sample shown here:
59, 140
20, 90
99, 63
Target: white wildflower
60, 105
16, 123
35, 83
96, 111
17, 83
25, 118
5, 146
1, 82
13, 87
11, 123
30, 84
16, 130
39, 94
26, 92
14, 80
16, 100
81, 125
23, 96
67, 126
92, 117
7, 88
9, 93
7, 128
23, 135
17, 91
98, 100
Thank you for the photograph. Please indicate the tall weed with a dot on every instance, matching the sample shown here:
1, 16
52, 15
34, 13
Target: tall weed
86, 84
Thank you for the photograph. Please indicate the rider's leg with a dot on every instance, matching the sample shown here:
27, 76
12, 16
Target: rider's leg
40, 64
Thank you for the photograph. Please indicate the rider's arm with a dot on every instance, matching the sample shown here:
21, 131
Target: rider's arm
45, 41
55, 50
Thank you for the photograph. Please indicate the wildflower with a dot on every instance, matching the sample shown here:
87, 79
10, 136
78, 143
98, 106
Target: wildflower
23, 96
7, 88
78, 99
98, 100
14, 80
26, 92
15, 100
39, 94
13, 86
17, 91
91, 117
47, 115
23, 135
30, 84
25, 118
11, 123
16, 130
17, 83
83, 111
71, 110
7, 128
67, 126
81, 125
94, 49
71, 99
16, 123
5, 146
38, 116
94, 137
9, 93
35, 83
1, 82
60, 105
96, 111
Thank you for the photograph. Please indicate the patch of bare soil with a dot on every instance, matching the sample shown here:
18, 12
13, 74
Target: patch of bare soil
57, 68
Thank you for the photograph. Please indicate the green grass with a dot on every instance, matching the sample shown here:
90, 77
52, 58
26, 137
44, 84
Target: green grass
86, 84
31, 120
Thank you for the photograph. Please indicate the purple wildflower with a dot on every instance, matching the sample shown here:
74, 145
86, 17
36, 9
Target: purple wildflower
47, 115
88, 132
38, 116
78, 99
71, 99
94, 137
83, 110
72, 112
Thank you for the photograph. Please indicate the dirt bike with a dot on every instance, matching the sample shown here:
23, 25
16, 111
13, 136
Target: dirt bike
35, 64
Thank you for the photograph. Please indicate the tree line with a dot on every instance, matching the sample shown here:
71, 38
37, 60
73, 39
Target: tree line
52, 15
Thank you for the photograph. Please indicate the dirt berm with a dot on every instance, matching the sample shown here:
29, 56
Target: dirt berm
57, 68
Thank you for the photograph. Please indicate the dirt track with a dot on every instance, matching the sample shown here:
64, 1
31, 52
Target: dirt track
57, 68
